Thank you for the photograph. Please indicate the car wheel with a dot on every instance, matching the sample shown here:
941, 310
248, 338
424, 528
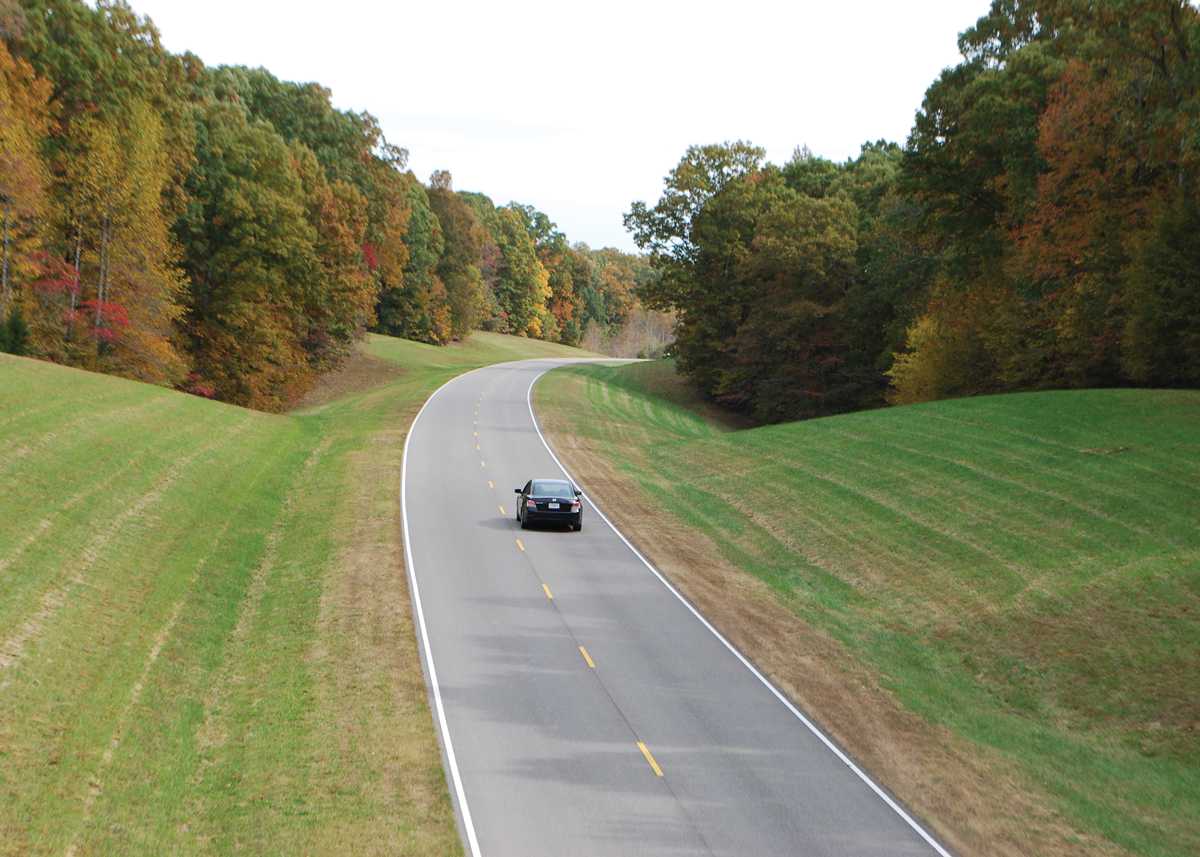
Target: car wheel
579, 527
524, 523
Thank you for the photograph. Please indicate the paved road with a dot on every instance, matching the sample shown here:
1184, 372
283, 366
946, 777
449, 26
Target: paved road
545, 750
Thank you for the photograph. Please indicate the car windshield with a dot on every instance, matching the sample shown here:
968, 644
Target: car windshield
553, 488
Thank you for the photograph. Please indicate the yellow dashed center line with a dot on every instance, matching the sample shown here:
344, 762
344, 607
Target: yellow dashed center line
477, 446
587, 658
520, 545
476, 434
491, 484
650, 759
502, 512
549, 594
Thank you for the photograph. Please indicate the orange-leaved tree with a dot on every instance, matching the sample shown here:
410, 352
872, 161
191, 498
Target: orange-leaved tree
24, 121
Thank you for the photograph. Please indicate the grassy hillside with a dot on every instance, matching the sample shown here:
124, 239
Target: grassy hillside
205, 643
1020, 573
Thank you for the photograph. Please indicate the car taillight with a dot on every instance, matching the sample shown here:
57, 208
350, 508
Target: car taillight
575, 506
530, 504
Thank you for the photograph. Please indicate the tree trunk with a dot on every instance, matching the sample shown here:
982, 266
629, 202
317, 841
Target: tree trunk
101, 284
78, 253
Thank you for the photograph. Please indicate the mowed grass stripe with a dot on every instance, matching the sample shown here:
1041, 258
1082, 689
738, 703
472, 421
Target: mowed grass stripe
1023, 570
123, 532
994, 564
92, 487
1174, 444
51, 434
1010, 517
100, 639
44, 398
1021, 473
1106, 478
186, 702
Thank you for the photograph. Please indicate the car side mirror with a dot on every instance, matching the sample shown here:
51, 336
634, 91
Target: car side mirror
516, 490
578, 493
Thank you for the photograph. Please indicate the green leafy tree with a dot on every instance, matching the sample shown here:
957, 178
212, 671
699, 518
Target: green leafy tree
1160, 342
250, 257
14, 333
522, 282
690, 247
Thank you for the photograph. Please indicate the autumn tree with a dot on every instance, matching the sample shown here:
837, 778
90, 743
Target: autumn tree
102, 58
249, 252
464, 240
1046, 164
232, 234
339, 296
24, 121
562, 318
419, 308
522, 282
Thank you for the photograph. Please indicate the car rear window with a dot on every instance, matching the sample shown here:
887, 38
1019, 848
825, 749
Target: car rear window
552, 488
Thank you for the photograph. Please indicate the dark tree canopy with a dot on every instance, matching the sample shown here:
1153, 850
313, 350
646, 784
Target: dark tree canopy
1031, 233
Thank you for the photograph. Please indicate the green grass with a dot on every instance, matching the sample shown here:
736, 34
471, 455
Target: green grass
1023, 570
205, 644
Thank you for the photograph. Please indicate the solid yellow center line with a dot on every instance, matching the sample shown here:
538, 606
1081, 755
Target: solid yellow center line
502, 512
491, 484
549, 594
587, 658
520, 545
650, 759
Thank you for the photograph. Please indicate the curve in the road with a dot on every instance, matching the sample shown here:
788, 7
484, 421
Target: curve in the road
592, 712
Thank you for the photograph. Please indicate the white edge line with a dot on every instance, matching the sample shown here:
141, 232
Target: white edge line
464, 809
883, 795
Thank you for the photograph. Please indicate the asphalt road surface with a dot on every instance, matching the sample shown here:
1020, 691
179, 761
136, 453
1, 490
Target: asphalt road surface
584, 708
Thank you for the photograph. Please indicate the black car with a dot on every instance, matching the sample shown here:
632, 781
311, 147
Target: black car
549, 501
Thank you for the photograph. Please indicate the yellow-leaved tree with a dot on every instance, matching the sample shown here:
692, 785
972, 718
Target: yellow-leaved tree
126, 262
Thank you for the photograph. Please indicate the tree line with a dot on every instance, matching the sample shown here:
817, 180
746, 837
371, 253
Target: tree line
1040, 228
222, 231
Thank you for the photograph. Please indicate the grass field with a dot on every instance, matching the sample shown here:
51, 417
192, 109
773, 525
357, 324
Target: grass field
1019, 575
205, 641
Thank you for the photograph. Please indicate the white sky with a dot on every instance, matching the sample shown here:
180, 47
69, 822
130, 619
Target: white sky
579, 109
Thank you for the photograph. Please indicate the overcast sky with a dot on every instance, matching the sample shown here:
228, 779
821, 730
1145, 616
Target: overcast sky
581, 108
